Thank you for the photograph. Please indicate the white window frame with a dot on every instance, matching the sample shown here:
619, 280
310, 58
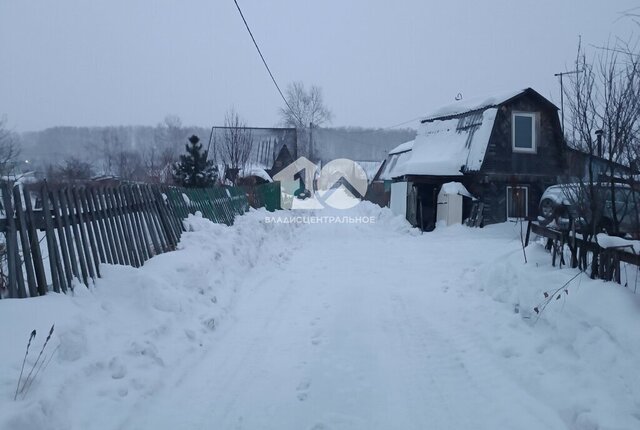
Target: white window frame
533, 117
526, 200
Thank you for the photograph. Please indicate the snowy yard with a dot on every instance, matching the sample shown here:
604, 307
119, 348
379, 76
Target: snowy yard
330, 326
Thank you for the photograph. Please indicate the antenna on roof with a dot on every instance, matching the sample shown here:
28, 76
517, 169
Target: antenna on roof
561, 74
458, 97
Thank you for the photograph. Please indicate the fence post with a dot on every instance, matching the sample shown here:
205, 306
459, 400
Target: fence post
13, 264
24, 241
57, 277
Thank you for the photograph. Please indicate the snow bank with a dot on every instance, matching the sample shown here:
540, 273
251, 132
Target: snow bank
580, 355
117, 343
459, 300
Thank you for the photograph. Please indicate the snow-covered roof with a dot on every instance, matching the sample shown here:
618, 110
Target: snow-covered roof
255, 171
403, 147
473, 104
445, 147
394, 165
456, 188
370, 168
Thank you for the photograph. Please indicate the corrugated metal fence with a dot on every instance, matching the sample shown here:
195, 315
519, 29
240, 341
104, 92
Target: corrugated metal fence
78, 226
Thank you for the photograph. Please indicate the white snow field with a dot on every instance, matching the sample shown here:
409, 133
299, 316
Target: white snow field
329, 326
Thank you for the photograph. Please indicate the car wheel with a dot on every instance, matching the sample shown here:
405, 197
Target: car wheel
547, 209
606, 226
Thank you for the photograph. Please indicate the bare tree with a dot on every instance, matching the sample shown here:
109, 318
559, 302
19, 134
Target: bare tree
603, 101
158, 156
129, 165
110, 145
170, 136
304, 107
236, 146
9, 148
73, 169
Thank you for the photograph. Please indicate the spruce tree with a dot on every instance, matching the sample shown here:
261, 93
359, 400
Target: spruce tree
194, 170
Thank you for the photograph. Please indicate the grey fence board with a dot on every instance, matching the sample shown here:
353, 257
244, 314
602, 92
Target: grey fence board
86, 225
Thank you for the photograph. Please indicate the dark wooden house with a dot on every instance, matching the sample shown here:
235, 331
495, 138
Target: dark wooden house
506, 150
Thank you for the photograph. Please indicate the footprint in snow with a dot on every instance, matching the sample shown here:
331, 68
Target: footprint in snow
316, 339
303, 389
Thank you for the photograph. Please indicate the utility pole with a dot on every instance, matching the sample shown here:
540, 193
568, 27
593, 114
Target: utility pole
311, 141
561, 74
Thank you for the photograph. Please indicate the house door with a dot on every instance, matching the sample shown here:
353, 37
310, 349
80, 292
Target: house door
517, 202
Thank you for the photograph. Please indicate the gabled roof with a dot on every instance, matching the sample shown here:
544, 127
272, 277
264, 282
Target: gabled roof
453, 139
466, 106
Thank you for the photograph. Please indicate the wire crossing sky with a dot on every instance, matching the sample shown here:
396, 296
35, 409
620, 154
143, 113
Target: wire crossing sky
380, 63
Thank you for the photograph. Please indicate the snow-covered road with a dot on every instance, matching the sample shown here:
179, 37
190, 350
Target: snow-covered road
334, 339
374, 327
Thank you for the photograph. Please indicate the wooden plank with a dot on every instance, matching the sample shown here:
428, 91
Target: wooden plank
55, 261
168, 219
126, 228
150, 223
172, 211
21, 225
137, 223
68, 206
13, 265
545, 232
66, 243
86, 231
150, 203
176, 199
114, 215
93, 200
209, 203
154, 219
146, 223
102, 198
200, 201
122, 207
34, 241
127, 211
91, 218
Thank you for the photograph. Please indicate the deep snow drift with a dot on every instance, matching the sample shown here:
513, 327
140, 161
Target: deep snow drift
330, 326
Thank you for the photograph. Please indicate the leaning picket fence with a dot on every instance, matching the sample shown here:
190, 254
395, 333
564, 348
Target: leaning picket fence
56, 236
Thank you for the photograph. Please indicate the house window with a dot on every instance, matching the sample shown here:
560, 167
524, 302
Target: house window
524, 132
517, 202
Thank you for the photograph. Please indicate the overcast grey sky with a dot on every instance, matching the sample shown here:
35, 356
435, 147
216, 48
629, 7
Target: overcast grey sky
379, 62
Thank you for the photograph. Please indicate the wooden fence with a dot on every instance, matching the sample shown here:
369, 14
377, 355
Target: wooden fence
83, 225
601, 263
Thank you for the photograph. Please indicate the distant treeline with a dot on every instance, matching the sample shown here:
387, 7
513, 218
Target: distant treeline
144, 152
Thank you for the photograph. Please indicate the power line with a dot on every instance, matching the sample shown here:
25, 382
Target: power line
265, 62
404, 123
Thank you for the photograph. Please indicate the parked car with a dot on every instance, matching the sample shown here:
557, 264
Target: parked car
565, 202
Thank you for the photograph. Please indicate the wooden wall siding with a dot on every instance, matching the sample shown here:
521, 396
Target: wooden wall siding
549, 157
83, 226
